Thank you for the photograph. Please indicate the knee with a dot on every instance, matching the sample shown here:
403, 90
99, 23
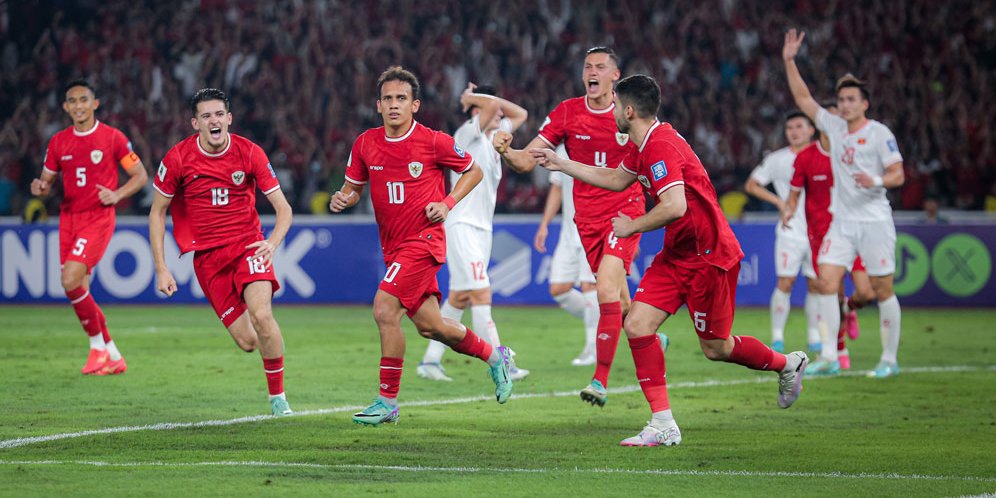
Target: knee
247, 344
71, 281
825, 286
384, 315
432, 329
261, 316
714, 352
635, 327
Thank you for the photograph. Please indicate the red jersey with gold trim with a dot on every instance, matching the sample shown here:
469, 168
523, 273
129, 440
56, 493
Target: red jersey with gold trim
87, 159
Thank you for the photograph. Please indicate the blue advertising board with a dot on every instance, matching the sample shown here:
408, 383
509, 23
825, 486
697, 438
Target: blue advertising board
338, 260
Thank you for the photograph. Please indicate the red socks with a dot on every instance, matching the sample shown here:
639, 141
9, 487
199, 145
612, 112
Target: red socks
274, 370
609, 326
87, 311
841, 345
851, 305
651, 370
472, 345
390, 376
753, 354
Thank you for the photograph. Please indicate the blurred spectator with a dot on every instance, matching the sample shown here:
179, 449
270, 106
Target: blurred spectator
930, 212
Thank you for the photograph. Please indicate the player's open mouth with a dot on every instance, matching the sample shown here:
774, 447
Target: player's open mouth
592, 85
216, 133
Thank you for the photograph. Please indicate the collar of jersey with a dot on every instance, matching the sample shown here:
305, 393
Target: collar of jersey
598, 111
208, 154
85, 133
647, 137
402, 137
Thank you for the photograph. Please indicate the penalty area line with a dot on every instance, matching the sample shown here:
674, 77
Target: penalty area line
166, 426
507, 470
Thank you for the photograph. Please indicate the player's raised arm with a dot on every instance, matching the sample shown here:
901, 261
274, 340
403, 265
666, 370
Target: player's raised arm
800, 92
346, 197
165, 282
671, 205
519, 160
615, 179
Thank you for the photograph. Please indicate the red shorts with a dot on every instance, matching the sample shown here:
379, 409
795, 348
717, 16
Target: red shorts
599, 241
816, 244
411, 277
709, 292
84, 236
224, 272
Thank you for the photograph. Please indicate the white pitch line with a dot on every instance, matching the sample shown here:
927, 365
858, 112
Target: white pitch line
511, 470
166, 426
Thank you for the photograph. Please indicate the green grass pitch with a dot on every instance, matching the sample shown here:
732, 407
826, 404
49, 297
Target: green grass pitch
929, 432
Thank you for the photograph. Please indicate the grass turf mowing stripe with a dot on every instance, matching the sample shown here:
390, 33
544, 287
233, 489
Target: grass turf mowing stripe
499, 470
164, 426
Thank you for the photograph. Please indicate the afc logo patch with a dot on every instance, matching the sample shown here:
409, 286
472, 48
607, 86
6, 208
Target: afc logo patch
415, 168
238, 177
162, 171
659, 169
893, 146
274, 173
644, 181
459, 151
96, 156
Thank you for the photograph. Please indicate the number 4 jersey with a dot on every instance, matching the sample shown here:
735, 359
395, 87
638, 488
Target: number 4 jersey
214, 195
405, 175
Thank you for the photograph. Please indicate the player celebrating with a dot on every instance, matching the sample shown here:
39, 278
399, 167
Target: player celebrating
210, 180
88, 153
791, 246
698, 265
469, 224
586, 128
569, 266
813, 176
866, 162
404, 161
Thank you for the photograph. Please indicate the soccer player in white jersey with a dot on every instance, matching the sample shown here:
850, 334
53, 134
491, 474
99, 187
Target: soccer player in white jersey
866, 161
792, 251
469, 225
569, 266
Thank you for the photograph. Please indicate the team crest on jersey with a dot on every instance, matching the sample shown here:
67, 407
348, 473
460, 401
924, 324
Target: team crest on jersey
659, 169
644, 181
415, 168
459, 151
96, 156
162, 172
238, 177
622, 138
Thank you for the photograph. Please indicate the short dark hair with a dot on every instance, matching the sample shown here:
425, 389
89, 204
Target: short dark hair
605, 50
796, 113
828, 104
80, 82
849, 80
206, 94
641, 92
483, 90
398, 73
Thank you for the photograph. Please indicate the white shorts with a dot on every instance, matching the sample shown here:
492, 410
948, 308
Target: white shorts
874, 241
792, 255
570, 265
468, 251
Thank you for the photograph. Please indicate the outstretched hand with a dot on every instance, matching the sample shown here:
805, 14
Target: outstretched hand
546, 158
793, 42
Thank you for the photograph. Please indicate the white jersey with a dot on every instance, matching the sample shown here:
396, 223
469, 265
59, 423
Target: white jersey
568, 230
478, 207
777, 168
869, 150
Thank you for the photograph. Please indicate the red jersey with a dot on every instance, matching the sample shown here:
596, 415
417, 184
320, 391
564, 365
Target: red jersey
591, 137
405, 175
702, 235
813, 175
214, 195
87, 159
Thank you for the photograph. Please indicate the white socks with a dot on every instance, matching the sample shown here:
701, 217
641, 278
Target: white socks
812, 320
889, 319
828, 312
97, 342
591, 315
112, 350
780, 306
484, 325
434, 351
572, 302
662, 419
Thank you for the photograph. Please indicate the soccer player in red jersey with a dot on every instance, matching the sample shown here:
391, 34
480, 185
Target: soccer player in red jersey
88, 153
698, 266
210, 180
813, 176
586, 127
404, 163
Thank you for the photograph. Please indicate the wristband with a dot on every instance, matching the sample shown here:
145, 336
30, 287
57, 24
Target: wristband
877, 181
449, 201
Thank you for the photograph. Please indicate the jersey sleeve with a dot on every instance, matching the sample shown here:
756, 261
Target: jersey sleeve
262, 170
798, 174
468, 132
167, 179
123, 151
762, 173
356, 168
553, 131
631, 161
888, 149
51, 163
449, 155
557, 178
828, 123
664, 167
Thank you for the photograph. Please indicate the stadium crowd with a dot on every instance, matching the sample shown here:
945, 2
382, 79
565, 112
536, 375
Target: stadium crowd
301, 75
